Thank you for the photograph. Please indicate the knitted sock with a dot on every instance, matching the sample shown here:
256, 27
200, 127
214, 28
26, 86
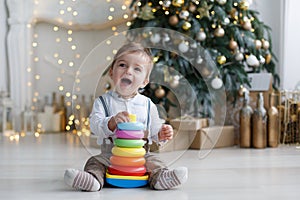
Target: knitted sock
168, 179
81, 180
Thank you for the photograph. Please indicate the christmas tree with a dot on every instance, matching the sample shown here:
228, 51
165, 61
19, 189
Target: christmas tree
229, 32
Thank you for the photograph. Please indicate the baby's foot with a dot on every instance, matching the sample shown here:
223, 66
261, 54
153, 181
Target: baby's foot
81, 180
168, 179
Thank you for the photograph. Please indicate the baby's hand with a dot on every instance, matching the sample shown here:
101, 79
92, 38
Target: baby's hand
118, 118
121, 117
166, 132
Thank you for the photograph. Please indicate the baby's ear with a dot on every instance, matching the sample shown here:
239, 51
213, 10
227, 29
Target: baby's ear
146, 81
110, 72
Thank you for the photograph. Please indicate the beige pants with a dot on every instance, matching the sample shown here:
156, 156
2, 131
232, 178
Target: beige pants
98, 164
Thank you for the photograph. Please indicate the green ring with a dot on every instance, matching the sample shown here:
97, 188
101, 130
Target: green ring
129, 143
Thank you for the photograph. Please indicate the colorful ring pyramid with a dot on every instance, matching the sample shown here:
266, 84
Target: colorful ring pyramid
127, 169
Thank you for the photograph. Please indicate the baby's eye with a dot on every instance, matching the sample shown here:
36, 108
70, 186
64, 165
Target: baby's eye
138, 69
122, 65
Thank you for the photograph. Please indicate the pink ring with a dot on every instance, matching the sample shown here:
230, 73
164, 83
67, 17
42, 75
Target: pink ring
129, 134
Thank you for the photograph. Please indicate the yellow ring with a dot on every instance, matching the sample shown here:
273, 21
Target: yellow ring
128, 152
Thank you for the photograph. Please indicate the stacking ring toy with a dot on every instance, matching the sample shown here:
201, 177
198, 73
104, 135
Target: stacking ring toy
129, 143
131, 126
126, 171
129, 134
126, 181
127, 161
128, 152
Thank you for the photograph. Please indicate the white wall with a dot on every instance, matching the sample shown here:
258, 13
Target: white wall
270, 12
291, 44
3, 61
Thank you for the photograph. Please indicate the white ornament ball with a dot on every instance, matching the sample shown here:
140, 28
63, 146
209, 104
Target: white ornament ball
201, 36
167, 3
199, 60
252, 61
226, 21
175, 81
239, 56
155, 38
183, 47
262, 60
221, 2
216, 83
194, 45
166, 37
184, 14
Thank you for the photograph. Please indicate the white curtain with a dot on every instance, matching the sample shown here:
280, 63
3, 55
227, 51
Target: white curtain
3, 63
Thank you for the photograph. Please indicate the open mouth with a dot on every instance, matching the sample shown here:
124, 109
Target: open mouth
126, 81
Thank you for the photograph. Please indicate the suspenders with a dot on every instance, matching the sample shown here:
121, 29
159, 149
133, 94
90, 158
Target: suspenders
104, 106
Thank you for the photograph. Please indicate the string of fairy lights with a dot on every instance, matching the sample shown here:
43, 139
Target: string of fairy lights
66, 66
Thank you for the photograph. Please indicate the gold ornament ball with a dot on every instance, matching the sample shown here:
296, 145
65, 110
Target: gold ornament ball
219, 32
265, 44
173, 20
242, 90
205, 73
244, 5
258, 44
268, 58
177, 3
233, 13
221, 60
186, 25
233, 44
160, 92
192, 8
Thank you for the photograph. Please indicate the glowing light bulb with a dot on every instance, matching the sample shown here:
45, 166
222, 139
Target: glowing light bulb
55, 28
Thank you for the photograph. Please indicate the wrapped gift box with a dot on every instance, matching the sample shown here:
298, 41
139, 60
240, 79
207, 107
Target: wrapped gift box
189, 123
213, 137
185, 130
181, 141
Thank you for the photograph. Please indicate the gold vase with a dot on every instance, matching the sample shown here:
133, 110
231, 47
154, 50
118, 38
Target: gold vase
245, 123
63, 113
259, 126
273, 121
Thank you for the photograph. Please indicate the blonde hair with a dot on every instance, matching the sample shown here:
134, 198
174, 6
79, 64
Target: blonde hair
133, 47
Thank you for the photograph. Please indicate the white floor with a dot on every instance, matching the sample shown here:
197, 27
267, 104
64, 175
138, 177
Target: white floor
32, 168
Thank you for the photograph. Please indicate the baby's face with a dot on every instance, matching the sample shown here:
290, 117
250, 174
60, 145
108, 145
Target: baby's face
129, 73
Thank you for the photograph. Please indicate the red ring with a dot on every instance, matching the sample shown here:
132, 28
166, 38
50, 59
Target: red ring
126, 171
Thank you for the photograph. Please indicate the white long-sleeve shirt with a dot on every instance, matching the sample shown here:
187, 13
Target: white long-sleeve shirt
137, 105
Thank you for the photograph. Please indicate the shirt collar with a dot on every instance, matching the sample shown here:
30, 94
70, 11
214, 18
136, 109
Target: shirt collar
117, 96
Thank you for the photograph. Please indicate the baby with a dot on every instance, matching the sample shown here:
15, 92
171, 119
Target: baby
129, 71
